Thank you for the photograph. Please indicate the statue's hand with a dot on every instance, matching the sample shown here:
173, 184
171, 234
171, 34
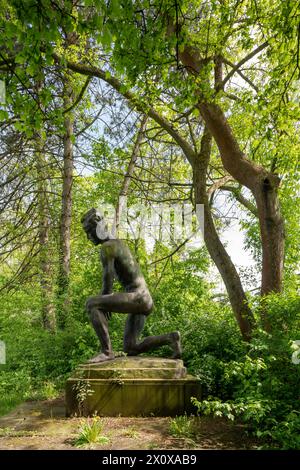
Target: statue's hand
107, 315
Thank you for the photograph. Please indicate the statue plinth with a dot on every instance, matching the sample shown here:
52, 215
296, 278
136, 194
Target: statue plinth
132, 386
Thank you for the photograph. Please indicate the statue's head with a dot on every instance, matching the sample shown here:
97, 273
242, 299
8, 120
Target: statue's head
95, 226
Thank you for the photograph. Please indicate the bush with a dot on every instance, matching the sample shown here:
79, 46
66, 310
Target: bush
182, 427
90, 432
263, 386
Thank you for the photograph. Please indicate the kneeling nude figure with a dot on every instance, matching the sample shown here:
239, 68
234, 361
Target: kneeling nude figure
118, 262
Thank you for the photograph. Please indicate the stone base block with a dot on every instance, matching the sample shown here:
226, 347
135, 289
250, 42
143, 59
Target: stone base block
132, 386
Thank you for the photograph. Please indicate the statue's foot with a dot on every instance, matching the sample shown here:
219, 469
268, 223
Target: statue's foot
176, 345
101, 358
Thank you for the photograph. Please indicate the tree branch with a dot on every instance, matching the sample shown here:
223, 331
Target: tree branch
243, 61
142, 107
218, 184
241, 199
79, 97
228, 62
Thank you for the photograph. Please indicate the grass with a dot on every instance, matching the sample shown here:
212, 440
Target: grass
153, 445
182, 427
9, 402
11, 432
13, 394
131, 432
90, 432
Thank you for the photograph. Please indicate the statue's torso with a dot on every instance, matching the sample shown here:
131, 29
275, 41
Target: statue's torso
126, 268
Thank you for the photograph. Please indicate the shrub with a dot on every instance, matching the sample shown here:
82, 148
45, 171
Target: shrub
90, 432
182, 427
263, 386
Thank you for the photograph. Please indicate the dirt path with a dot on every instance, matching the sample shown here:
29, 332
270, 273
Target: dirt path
42, 425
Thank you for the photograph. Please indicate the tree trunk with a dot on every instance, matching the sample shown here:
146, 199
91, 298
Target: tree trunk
271, 232
214, 245
263, 184
45, 268
264, 187
66, 208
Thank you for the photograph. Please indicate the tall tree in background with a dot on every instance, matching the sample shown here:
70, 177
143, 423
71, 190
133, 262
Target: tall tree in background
67, 183
44, 222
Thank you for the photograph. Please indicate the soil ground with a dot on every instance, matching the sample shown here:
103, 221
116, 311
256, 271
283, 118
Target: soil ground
42, 425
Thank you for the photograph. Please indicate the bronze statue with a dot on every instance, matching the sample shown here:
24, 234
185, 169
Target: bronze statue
118, 262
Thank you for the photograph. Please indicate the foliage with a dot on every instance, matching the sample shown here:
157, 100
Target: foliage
131, 432
90, 432
37, 360
182, 427
263, 387
82, 390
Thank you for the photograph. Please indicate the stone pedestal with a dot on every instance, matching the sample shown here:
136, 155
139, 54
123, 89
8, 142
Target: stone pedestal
132, 386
